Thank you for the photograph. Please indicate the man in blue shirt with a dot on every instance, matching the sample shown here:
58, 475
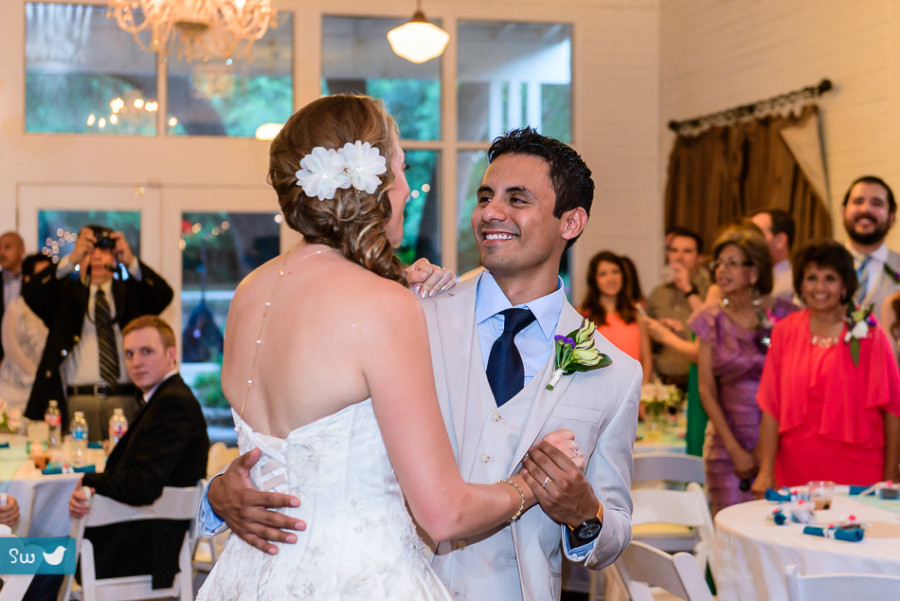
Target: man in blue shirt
492, 342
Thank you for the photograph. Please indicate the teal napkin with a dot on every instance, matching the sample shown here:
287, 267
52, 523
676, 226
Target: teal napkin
849, 534
49, 471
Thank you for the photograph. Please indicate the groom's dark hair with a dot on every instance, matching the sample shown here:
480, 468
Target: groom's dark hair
570, 176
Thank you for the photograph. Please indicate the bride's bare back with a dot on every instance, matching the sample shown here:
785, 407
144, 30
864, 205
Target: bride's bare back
316, 334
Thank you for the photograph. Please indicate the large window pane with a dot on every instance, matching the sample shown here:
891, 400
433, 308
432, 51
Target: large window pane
421, 217
470, 166
83, 74
512, 75
357, 59
217, 251
234, 97
57, 230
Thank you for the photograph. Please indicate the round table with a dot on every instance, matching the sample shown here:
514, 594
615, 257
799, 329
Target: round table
752, 552
43, 500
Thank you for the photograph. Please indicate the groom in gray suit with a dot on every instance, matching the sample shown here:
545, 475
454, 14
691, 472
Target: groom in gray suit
533, 202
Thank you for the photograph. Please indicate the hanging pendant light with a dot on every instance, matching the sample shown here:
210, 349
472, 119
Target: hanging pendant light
417, 40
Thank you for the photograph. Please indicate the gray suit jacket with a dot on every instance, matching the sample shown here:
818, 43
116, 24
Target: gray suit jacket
600, 406
885, 286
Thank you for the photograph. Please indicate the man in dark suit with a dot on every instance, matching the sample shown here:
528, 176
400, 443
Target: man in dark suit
166, 445
102, 267
12, 251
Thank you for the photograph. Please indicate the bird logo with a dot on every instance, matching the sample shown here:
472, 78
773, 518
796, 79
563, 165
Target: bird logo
55, 558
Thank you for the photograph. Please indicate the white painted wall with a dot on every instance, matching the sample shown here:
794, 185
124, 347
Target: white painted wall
715, 54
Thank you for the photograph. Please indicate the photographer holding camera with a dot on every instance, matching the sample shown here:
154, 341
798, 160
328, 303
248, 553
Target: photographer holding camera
85, 300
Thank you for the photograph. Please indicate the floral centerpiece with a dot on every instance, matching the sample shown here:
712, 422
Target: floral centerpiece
659, 399
10, 419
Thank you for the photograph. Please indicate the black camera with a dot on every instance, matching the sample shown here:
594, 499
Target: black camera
104, 237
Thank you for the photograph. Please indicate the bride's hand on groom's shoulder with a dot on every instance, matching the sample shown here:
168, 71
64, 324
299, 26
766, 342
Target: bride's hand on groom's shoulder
246, 510
427, 279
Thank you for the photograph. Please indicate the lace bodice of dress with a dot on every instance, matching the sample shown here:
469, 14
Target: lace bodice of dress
360, 542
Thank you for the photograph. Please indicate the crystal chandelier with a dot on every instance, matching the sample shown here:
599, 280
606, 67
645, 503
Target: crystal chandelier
219, 29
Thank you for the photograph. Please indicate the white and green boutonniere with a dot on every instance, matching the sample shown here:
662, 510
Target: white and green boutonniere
859, 323
576, 352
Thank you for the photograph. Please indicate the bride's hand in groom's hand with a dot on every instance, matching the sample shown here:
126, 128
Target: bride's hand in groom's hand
560, 487
246, 509
426, 279
564, 440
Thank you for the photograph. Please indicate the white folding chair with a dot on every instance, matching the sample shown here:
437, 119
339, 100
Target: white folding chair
668, 467
15, 585
687, 510
641, 567
673, 471
840, 587
174, 504
670, 511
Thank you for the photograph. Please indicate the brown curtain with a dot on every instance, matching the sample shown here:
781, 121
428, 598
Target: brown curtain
727, 173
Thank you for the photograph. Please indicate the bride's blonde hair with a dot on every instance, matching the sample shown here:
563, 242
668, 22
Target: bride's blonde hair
353, 222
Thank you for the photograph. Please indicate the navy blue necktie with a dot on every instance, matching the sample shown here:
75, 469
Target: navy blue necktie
505, 371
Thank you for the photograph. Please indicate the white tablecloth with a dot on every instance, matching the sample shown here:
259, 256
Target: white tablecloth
752, 552
43, 500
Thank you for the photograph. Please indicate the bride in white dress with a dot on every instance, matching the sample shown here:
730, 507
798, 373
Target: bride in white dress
328, 371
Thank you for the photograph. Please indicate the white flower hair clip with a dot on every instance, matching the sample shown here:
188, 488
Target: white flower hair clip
323, 171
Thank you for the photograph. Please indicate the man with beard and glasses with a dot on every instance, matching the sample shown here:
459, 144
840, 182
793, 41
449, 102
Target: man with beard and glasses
869, 212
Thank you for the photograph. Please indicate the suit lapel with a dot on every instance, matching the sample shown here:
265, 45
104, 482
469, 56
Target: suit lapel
456, 322
545, 401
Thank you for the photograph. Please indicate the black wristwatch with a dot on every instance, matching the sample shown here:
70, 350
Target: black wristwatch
588, 530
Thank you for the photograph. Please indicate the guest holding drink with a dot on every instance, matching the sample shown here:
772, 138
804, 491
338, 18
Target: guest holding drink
830, 389
734, 336
610, 306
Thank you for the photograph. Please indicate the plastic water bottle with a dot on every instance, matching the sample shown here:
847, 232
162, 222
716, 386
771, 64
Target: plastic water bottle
79, 431
53, 419
118, 425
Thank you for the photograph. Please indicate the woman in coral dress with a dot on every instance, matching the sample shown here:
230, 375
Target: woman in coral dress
830, 390
609, 305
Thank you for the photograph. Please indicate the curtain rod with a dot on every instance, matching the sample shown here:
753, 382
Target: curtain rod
747, 110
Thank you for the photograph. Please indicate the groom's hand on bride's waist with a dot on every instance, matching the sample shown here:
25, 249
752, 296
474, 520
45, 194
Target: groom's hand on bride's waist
246, 509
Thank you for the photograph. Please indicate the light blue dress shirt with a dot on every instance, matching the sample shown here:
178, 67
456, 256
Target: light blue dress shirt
535, 341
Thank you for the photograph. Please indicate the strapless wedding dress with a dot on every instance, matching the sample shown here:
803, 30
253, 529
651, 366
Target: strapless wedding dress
360, 542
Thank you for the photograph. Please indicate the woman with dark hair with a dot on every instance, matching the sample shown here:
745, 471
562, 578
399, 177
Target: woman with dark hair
327, 368
733, 337
830, 389
610, 306
632, 282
